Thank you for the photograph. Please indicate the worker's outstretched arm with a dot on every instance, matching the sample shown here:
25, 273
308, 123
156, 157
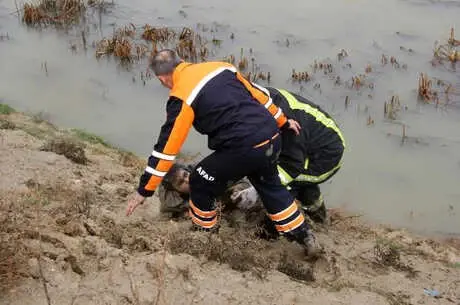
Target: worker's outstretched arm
172, 136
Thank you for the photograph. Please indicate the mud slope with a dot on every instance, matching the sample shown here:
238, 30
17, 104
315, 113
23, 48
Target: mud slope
64, 239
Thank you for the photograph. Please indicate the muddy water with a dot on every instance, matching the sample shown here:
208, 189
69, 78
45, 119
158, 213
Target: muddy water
415, 184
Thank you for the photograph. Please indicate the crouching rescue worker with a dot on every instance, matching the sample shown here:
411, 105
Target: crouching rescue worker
311, 158
305, 162
242, 125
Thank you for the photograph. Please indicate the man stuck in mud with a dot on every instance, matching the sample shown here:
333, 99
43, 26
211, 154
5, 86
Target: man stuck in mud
305, 161
243, 127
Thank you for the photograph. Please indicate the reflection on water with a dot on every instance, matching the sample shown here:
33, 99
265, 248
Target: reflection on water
413, 185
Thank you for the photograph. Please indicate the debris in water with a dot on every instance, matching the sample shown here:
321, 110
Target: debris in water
158, 35
393, 61
403, 136
370, 120
183, 13
452, 41
392, 108
322, 66
342, 54
406, 50
4, 37
436, 90
424, 88
337, 81
300, 76
217, 42
243, 63
357, 81
384, 60
83, 38
447, 51
45, 67
119, 45
230, 59
53, 12
368, 69
347, 102
129, 45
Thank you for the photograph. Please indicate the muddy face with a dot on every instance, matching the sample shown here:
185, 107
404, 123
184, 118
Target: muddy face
181, 182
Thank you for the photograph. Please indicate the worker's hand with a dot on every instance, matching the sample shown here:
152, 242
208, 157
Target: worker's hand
294, 125
135, 200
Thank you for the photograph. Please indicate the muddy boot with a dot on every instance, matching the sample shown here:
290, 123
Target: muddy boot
317, 211
197, 228
305, 237
312, 248
267, 229
312, 203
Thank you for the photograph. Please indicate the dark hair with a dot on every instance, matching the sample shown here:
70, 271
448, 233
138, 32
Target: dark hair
164, 62
171, 176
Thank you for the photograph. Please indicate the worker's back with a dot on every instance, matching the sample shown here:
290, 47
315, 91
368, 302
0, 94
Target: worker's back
320, 138
319, 130
224, 108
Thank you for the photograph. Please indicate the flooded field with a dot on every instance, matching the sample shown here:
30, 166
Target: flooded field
402, 168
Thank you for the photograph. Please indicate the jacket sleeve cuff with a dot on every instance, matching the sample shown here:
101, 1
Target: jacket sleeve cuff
285, 126
145, 193
282, 120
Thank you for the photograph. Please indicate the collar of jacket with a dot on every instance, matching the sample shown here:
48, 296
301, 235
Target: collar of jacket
177, 72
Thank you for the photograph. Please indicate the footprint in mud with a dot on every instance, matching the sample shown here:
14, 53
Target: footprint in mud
327, 267
296, 269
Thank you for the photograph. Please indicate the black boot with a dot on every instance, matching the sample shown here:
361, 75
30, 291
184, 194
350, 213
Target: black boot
312, 203
196, 228
267, 229
317, 212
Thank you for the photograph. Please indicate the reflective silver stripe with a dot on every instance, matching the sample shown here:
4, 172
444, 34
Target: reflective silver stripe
278, 114
163, 156
152, 171
269, 103
204, 81
264, 90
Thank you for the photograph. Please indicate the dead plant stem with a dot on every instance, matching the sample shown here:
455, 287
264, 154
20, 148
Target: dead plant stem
40, 269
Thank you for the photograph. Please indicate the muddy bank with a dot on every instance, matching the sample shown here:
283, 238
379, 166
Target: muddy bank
65, 240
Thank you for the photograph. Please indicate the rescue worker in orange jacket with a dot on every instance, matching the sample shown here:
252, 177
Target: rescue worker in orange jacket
242, 125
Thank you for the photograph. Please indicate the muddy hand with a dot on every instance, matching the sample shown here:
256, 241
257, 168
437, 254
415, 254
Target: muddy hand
294, 125
133, 203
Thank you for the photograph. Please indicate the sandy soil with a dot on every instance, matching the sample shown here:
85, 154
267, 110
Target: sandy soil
64, 239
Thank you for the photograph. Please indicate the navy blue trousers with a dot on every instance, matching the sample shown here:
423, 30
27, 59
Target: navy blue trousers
211, 177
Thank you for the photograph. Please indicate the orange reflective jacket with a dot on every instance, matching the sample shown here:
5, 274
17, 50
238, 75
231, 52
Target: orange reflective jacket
219, 102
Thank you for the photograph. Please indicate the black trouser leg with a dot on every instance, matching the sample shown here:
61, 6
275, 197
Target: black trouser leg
211, 176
